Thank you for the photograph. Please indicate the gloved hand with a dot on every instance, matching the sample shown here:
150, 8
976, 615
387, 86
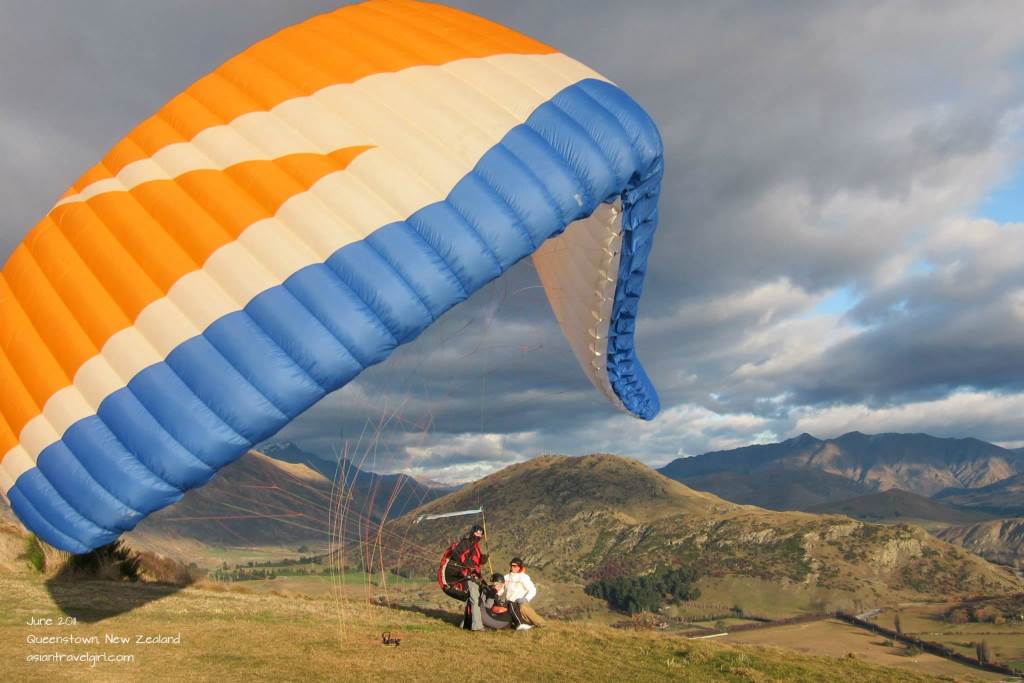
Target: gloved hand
483, 559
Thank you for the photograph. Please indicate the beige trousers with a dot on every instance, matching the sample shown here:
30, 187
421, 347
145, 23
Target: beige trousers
531, 615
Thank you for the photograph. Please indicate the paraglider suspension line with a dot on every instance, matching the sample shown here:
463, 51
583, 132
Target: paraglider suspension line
483, 523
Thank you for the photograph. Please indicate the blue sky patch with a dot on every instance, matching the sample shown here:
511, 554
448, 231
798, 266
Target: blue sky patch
1005, 204
839, 301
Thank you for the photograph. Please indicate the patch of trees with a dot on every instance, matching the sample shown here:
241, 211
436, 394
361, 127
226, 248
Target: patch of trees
984, 653
633, 594
240, 575
997, 612
259, 571
288, 561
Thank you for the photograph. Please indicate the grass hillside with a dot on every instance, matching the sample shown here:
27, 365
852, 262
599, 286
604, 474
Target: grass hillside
262, 630
896, 504
254, 501
602, 515
261, 501
232, 635
409, 491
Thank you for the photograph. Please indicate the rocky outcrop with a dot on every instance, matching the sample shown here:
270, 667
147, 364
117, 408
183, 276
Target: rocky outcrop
999, 540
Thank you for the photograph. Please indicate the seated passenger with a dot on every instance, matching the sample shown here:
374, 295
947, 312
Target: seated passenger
495, 611
519, 591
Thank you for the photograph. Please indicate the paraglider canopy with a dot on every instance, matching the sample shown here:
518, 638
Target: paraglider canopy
288, 221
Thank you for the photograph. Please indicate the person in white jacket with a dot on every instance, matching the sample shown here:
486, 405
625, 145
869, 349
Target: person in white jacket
519, 589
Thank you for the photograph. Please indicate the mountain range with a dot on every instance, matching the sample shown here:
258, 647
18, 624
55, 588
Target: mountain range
804, 472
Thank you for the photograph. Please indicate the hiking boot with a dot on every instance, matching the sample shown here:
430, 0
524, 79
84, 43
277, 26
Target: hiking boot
523, 627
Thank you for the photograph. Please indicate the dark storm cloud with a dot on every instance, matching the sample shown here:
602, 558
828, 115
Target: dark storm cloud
810, 147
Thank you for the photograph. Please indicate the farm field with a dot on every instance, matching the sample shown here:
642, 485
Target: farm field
833, 638
926, 623
759, 597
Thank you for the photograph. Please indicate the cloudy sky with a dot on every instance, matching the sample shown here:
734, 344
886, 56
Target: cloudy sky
842, 226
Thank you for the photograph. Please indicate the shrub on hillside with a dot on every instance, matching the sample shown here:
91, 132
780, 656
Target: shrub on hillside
958, 616
114, 561
34, 554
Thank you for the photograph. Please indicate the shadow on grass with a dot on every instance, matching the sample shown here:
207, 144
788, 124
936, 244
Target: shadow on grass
105, 582
92, 600
447, 616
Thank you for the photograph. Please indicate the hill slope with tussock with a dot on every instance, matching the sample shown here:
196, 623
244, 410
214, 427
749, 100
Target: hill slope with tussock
602, 515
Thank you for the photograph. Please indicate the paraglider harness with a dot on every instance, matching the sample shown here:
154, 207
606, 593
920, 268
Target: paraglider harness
464, 566
455, 569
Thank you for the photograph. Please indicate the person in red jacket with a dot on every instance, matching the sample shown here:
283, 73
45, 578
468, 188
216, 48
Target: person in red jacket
463, 569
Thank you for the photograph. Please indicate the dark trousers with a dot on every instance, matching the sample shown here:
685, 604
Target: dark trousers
511, 618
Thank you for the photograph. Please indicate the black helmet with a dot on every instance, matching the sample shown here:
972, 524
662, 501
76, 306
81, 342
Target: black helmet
475, 528
517, 561
497, 577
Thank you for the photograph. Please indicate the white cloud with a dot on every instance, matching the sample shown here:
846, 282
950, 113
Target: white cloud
962, 413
